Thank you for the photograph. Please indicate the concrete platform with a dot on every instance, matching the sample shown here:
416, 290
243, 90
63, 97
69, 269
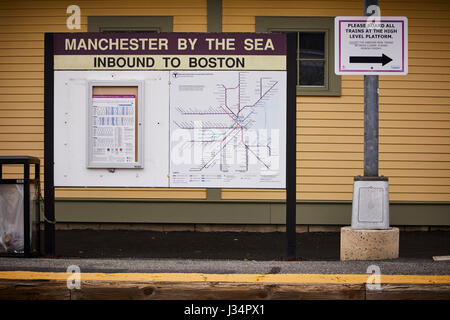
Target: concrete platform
148, 265
357, 244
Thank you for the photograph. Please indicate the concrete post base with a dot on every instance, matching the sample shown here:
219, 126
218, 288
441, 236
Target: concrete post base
369, 244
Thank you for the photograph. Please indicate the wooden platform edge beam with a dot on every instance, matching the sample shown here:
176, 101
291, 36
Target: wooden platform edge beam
238, 278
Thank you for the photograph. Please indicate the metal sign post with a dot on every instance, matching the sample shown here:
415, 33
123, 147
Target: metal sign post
291, 145
371, 193
370, 116
49, 185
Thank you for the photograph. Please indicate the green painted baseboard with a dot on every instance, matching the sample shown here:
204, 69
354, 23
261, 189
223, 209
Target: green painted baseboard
237, 212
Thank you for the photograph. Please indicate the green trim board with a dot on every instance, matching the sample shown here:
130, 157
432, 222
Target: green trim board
213, 194
214, 14
332, 85
237, 212
130, 23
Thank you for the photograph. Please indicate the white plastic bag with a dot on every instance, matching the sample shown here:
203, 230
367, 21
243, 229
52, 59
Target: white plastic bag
11, 218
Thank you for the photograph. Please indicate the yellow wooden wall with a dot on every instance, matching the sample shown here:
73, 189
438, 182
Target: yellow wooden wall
414, 109
22, 27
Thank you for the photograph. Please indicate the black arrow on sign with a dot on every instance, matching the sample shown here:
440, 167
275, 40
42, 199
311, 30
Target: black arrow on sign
384, 59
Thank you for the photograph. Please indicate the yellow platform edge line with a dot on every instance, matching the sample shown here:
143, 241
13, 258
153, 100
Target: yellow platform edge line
238, 278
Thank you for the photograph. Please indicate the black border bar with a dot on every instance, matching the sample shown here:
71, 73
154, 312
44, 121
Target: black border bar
49, 187
291, 146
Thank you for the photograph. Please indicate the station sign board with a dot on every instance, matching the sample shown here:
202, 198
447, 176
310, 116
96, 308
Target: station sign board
200, 110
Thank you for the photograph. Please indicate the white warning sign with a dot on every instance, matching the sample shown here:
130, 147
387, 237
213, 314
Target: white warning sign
371, 45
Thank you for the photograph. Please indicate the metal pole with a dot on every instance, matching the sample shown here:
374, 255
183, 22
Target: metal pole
49, 188
370, 116
26, 208
291, 147
37, 179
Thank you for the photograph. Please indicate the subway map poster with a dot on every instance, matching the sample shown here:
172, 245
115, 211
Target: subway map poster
227, 129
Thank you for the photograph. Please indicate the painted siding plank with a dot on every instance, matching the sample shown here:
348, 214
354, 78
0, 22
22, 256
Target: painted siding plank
130, 193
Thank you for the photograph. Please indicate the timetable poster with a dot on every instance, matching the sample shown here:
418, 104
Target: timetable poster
113, 125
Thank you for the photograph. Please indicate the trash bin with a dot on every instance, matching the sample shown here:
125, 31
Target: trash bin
19, 207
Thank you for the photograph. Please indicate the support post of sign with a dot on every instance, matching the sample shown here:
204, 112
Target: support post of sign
49, 187
370, 116
291, 146
371, 126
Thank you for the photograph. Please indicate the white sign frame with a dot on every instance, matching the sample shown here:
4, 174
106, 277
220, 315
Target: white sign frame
140, 123
71, 130
361, 56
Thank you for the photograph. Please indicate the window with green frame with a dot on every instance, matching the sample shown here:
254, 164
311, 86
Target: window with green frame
315, 52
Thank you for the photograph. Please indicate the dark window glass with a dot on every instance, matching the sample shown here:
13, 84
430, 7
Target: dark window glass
311, 58
312, 45
312, 73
